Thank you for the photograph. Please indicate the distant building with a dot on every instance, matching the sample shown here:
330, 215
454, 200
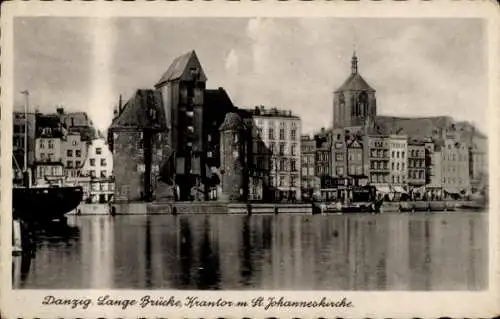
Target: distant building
416, 164
380, 159
308, 163
48, 165
398, 152
73, 154
455, 167
338, 156
99, 167
433, 168
323, 153
280, 134
355, 162
137, 138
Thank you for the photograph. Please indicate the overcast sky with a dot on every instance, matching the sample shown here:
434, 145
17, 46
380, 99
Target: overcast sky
418, 67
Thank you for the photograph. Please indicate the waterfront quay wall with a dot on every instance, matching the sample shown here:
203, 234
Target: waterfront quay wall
142, 208
227, 208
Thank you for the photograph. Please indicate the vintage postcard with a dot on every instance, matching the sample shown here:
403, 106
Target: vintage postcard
236, 159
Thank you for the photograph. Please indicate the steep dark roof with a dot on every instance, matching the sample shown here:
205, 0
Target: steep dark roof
355, 82
217, 99
415, 127
136, 112
232, 121
179, 67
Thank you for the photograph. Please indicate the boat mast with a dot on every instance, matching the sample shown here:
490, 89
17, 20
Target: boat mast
26, 102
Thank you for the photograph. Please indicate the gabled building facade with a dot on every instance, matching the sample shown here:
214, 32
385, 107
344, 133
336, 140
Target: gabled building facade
138, 140
182, 91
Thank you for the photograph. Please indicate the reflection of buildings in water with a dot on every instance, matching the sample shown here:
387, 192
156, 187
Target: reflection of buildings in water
185, 252
419, 254
246, 268
458, 257
101, 244
397, 265
208, 274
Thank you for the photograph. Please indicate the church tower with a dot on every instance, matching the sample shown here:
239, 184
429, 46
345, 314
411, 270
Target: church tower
354, 102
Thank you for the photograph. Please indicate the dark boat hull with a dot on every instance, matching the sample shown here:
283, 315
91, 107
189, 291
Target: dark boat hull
46, 203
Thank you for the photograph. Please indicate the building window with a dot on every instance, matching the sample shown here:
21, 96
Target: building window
271, 147
359, 156
294, 149
260, 163
338, 156
403, 166
282, 164
271, 134
282, 134
77, 164
403, 154
78, 153
209, 154
103, 174
293, 165
235, 138
392, 154
103, 162
51, 144
282, 180
92, 173
293, 134
397, 166
69, 153
69, 164
282, 149
92, 162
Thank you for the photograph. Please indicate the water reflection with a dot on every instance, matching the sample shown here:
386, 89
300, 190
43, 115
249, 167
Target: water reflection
357, 252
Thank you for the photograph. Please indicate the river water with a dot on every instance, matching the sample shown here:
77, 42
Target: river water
423, 251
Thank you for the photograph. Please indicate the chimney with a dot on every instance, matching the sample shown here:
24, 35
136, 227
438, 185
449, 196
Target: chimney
120, 105
60, 110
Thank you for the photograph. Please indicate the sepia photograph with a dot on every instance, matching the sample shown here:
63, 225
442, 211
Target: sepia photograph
245, 154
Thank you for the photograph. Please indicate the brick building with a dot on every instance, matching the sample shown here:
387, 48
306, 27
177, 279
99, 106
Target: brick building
234, 158
137, 138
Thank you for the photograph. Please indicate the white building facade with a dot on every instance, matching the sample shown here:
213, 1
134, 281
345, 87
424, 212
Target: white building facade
398, 162
98, 168
280, 132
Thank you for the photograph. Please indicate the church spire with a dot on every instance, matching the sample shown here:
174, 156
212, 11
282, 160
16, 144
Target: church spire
354, 63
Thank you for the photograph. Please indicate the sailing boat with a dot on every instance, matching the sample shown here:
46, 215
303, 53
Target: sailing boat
41, 203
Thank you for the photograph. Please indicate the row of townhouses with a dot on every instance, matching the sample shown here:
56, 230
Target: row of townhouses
432, 156
180, 140
63, 148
